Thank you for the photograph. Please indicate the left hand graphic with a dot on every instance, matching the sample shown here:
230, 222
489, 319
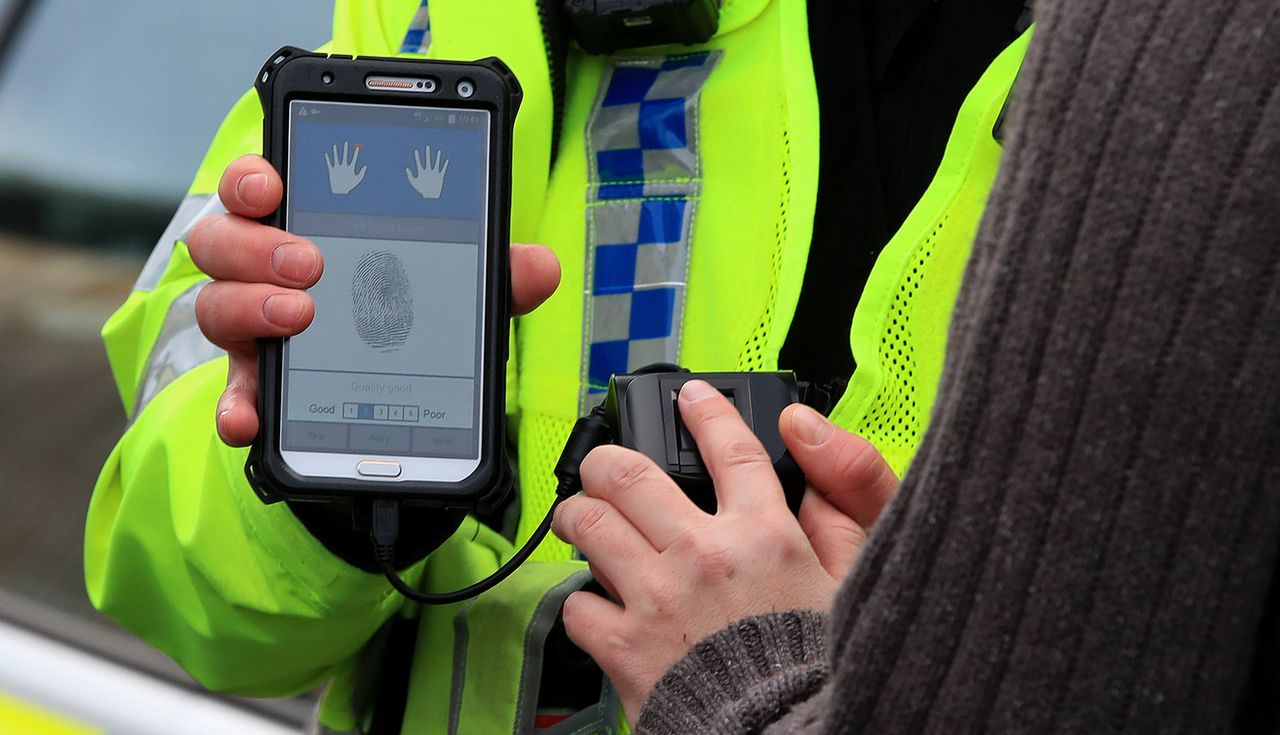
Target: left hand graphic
343, 176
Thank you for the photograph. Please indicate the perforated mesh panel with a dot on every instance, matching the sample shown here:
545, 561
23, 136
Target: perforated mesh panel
752, 357
900, 328
541, 440
894, 423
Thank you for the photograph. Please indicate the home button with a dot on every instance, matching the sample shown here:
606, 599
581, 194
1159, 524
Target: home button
376, 468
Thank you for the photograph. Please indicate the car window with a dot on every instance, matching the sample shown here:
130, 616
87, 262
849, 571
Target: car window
109, 105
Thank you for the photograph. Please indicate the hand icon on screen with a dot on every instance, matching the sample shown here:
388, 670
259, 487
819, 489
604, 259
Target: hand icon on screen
343, 176
429, 179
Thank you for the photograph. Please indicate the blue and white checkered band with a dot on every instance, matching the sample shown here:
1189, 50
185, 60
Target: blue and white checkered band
418, 38
644, 180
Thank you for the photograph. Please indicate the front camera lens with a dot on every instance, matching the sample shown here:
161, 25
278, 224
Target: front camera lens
466, 88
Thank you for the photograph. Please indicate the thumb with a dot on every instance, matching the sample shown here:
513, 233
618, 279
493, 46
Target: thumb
835, 538
843, 468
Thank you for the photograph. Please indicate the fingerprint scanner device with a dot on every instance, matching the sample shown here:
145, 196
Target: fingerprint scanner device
645, 416
606, 26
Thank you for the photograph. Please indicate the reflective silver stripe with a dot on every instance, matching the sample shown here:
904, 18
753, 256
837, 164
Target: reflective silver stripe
535, 637
192, 209
180, 347
644, 180
535, 640
461, 639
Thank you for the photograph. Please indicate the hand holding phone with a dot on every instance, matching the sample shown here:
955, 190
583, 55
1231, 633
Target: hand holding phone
250, 263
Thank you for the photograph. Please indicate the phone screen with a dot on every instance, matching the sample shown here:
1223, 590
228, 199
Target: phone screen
395, 197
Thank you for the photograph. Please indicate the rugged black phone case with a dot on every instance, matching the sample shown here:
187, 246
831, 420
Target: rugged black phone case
293, 73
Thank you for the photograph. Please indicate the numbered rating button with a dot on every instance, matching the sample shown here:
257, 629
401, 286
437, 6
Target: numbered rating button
381, 412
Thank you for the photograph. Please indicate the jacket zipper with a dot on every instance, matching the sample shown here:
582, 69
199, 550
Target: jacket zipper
553, 39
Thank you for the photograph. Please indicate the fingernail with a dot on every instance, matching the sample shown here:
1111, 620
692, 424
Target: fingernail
252, 189
810, 426
294, 261
283, 310
697, 390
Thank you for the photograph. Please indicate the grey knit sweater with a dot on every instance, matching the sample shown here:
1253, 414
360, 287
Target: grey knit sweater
1086, 540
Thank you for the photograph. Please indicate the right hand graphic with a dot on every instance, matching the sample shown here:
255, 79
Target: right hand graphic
343, 176
429, 179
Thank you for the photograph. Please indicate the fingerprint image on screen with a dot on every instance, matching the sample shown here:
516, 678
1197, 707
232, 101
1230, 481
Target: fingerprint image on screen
382, 301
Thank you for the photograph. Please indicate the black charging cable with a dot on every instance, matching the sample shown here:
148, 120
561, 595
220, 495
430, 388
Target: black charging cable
589, 432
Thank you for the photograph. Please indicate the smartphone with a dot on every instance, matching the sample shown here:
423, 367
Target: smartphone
399, 171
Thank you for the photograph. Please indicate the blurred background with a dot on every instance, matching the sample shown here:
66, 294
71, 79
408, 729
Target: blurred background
105, 111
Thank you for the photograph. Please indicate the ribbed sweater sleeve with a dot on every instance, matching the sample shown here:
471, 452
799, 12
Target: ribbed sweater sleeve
1086, 539
741, 678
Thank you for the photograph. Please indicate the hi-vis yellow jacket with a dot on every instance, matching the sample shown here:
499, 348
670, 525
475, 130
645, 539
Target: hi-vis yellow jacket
680, 203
